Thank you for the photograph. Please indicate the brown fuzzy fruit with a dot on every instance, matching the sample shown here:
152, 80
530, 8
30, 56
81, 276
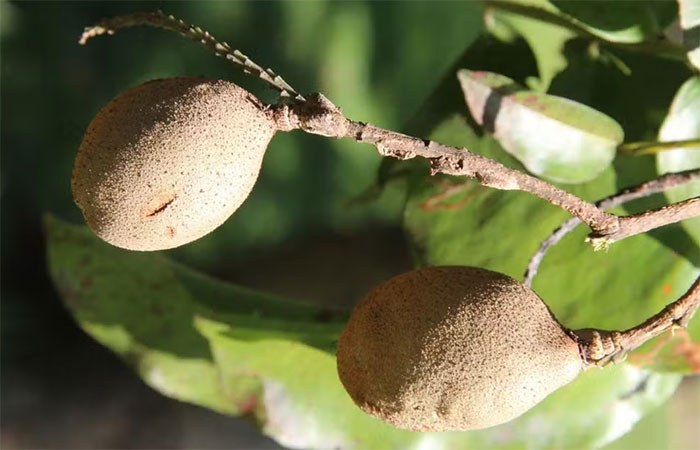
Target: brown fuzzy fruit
167, 162
453, 348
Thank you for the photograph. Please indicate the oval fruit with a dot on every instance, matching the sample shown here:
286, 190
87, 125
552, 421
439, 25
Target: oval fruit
453, 348
169, 161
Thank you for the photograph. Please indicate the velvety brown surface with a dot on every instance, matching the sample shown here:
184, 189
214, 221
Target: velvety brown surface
169, 161
453, 348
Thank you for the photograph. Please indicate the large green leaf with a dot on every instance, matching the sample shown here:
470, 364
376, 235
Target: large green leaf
554, 137
683, 122
146, 309
609, 20
244, 353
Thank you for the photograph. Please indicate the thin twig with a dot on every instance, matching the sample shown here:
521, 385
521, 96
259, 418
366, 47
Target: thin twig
599, 347
652, 147
160, 20
642, 190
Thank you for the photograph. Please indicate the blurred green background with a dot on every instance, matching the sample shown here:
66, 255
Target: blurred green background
299, 234
296, 233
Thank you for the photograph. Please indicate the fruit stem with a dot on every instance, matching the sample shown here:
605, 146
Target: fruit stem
600, 347
650, 148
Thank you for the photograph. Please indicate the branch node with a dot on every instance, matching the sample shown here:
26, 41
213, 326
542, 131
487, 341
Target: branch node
320, 116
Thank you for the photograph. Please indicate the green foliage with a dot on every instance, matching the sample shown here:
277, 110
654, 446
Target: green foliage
609, 20
500, 230
241, 352
553, 137
546, 40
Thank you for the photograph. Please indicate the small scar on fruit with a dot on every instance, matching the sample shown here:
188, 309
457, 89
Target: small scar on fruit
159, 204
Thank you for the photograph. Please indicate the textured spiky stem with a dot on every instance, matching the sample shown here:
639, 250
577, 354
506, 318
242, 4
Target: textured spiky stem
160, 20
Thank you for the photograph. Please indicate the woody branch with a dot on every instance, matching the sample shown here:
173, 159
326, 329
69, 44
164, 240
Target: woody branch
320, 116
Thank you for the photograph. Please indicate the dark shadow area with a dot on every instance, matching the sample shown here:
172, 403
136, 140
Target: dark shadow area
618, 16
691, 38
487, 53
493, 105
84, 397
368, 258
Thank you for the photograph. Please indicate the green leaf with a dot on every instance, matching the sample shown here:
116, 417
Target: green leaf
683, 122
146, 309
662, 429
545, 39
244, 353
610, 20
689, 12
553, 137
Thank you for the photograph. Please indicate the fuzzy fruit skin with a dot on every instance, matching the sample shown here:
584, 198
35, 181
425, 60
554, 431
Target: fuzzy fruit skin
169, 161
453, 348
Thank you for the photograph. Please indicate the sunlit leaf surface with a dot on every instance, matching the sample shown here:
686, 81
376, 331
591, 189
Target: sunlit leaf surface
554, 137
683, 122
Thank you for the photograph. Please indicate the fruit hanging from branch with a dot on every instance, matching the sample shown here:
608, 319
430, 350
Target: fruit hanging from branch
453, 348
169, 161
